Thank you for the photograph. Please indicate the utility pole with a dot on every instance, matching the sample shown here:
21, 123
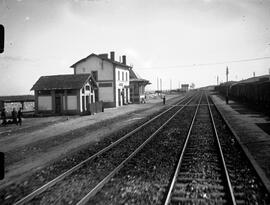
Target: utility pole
160, 84
217, 80
227, 91
170, 84
157, 84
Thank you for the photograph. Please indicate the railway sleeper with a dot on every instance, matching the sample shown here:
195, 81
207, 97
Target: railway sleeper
182, 200
204, 185
201, 180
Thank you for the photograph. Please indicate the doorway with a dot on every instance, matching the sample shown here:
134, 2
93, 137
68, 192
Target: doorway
119, 97
57, 104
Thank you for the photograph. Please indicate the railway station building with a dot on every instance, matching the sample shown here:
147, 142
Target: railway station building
111, 76
64, 94
137, 87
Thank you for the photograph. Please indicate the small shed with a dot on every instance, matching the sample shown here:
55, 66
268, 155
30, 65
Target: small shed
137, 87
185, 87
19, 100
64, 94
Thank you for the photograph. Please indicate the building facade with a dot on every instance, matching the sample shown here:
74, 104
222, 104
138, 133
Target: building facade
185, 87
137, 87
112, 77
64, 94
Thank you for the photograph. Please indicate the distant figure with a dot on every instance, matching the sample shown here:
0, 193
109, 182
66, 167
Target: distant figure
20, 116
164, 99
14, 116
227, 100
4, 117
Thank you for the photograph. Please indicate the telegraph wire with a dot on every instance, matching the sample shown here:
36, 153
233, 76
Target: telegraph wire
207, 64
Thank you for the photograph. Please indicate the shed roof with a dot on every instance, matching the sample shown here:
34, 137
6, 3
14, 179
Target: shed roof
102, 56
134, 77
61, 82
17, 98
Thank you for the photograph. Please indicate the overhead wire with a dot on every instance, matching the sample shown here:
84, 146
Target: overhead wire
207, 64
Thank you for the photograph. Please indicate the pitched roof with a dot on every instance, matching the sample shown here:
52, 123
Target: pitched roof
134, 77
17, 98
103, 58
61, 82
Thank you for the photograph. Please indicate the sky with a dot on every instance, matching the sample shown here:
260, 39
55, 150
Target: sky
178, 41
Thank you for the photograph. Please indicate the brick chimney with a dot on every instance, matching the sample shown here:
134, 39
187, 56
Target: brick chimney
112, 55
124, 59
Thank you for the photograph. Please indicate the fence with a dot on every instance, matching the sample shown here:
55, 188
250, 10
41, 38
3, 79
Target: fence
95, 107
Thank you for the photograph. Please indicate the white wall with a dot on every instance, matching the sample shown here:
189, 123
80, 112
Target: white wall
104, 68
72, 102
120, 84
44, 103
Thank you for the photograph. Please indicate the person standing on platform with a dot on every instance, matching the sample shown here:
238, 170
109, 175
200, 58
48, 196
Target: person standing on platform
20, 116
4, 117
14, 116
164, 99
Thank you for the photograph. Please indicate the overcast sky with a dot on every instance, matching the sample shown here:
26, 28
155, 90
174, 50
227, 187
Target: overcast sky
165, 39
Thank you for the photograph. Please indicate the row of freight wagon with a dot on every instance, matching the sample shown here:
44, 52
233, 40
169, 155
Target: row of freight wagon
254, 93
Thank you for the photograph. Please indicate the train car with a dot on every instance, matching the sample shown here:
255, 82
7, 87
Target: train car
255, 93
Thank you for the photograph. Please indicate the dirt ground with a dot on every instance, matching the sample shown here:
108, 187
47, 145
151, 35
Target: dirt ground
41, 141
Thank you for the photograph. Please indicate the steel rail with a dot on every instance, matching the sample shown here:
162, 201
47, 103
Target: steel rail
49, 184
100, 185
168, 198
260, 174
233, 201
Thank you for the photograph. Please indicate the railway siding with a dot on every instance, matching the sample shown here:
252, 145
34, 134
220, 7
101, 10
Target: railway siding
255, 142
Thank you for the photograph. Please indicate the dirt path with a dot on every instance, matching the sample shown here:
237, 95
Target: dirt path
30, 151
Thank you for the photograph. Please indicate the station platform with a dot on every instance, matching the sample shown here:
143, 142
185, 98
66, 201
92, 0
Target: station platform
252, 130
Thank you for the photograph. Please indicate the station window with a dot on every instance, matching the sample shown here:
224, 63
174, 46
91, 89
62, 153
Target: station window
126, 76
122, 76
118, 75
83, 90
87, 87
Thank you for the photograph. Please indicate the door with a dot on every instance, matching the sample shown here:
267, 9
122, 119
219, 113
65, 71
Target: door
87, 103
83, 104
57, 104
123, 96
119, 97
127, 97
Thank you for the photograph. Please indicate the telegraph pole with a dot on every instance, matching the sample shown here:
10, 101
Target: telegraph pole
160, 84
170, 84
157, 84
227, 90
217, 80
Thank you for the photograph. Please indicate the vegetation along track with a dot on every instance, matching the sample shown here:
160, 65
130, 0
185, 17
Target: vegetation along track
68, 187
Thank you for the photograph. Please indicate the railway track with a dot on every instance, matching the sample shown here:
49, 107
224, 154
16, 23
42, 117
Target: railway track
248, 186
78, 177
201, 175
212, 168
144, 178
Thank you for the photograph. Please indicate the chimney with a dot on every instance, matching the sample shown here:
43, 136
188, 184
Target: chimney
112, 55
124, 59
